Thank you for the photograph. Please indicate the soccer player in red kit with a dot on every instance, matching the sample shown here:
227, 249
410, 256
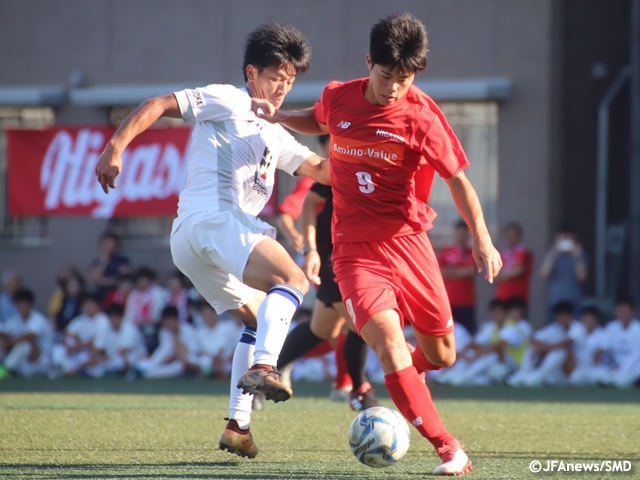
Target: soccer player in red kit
388, 139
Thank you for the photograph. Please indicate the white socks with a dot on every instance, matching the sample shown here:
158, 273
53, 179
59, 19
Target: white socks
240, 404
274, 317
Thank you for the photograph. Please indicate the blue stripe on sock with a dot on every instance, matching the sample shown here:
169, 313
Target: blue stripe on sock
248, 336
287, 291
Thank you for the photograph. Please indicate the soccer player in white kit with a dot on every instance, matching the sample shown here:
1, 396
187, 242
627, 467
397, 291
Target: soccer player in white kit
217, 241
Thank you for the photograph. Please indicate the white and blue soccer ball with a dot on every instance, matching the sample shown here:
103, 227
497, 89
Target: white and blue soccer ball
379, 437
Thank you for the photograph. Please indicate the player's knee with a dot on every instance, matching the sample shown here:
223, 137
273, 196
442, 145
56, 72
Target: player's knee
393, 356
444, 358
299, 281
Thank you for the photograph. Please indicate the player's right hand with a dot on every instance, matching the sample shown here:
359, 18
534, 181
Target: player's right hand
311, 266
108, 167
264, 109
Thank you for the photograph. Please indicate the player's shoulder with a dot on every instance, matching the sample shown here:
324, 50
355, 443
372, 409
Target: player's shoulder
419, 100
223, 89
337, 88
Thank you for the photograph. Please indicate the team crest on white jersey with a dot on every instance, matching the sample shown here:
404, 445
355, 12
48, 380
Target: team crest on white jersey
343, 124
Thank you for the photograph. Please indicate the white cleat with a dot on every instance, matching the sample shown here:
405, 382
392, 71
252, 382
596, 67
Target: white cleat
456, 464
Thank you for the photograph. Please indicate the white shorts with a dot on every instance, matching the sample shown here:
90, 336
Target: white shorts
212, 249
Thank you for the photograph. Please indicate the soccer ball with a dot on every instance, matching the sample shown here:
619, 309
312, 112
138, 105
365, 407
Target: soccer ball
379, 437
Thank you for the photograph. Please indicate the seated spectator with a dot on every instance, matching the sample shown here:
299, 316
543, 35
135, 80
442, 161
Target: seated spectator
76, 348
459, 272
71, 304
118, 345
496, 350
145, 305
586, 343
66, 273
121, 293
110, 264
565, 268
217, 340
178, 294
25, 339
517, 265
545, 359
178, 352
10, 284
619, 351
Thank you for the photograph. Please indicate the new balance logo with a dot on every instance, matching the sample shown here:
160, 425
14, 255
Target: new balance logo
417, 421
343, 124
392, 136
449, 323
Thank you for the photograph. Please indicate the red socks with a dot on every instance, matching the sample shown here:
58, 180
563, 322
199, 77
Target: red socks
420, 361
413, 399
343, 379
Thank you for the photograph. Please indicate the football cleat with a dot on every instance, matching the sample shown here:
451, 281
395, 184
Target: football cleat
454, 461
265, 379
364, 398
237, 441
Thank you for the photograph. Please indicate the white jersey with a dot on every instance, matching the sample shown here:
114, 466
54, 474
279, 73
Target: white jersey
113, 341
233, 155
221, 339
554, 333
620, 342
36, 323
586, 344
85, 328
513, 334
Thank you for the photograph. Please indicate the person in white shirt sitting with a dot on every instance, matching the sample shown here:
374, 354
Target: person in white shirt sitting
118, 344
586, 343
496, 350
25, 339
77, 348
545, 361
217, 340
619, 351
178, 352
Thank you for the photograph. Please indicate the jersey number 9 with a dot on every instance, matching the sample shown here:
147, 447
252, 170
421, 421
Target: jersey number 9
366, 184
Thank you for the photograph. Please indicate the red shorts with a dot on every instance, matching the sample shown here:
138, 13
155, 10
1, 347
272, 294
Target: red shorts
400, 274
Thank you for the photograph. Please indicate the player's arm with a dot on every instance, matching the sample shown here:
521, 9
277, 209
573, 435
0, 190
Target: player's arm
301, 121
308, 219
315, 167
468, 204
110, 161
288, 227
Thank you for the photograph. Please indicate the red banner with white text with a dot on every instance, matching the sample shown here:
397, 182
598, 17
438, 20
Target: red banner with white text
52, 172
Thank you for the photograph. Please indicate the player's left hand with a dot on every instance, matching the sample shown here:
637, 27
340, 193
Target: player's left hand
487, 257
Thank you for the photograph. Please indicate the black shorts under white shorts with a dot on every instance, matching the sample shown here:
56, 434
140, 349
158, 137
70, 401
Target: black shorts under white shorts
328, 291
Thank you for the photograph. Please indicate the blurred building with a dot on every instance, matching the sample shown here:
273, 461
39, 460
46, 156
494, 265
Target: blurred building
520, 81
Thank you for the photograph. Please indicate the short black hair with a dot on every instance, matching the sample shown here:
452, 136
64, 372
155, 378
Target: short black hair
145, 272
399, 40
169, 312
115, 310
462, 224
561, 308
23, 295
497, 303
628, 301
90, 297
323, 139
110, 235
516, 302
591, 310
516, 227
274, 44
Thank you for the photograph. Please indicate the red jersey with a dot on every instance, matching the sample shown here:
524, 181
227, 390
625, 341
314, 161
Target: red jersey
461, 291
383, 160
292, 203
517, 286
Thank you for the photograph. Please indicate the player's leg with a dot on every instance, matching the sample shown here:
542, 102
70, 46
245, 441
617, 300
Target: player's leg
271, 269
384, 335
549, 371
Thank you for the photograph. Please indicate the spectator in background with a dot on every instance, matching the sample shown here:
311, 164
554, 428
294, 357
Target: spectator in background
517, 265
291, 206
565, 269
71, 303
76, 348
459, 271
178, 352
10, 285
121, 293
545, 360
145, 305
25, 339
217, 340
66, 273
496, 350
118, 343
619, 350
587, 343
109, 265
178, 294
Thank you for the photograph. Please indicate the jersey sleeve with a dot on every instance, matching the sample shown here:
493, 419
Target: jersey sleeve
439, 148
483, 337
214, 103
292, 153
322, 106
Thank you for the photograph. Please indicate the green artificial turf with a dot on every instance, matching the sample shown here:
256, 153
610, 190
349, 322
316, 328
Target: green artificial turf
65, 429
